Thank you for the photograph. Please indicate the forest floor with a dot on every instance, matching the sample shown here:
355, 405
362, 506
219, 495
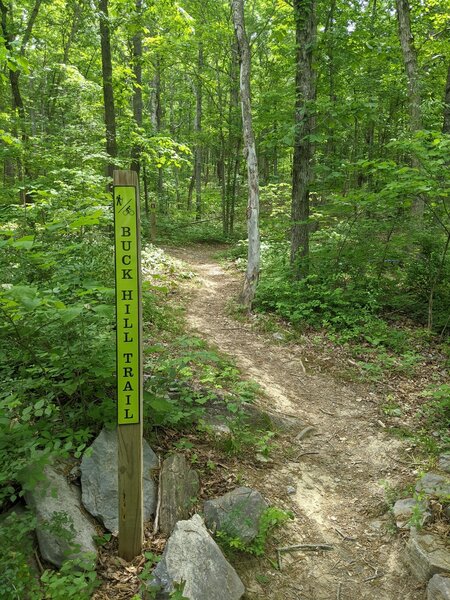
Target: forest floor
334, 480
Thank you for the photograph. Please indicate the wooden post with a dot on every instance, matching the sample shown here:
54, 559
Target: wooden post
129, 362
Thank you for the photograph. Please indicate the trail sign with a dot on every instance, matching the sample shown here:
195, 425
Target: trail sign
129, 362
127, 304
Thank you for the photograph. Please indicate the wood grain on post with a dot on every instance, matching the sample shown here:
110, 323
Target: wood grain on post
129, 435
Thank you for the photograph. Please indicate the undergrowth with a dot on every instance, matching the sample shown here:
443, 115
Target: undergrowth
271, 518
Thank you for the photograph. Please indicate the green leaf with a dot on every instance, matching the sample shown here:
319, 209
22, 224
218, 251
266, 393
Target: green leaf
25, 242
71, 313
158, 404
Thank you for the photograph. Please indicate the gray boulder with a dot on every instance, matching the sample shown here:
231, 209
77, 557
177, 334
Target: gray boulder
438, 588
444, 462
237, 513
403, 511
434, 485
63, 530
99, 480
192, 557
179, 485
427, 555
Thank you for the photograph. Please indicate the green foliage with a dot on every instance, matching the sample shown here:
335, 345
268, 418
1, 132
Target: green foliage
19, 580
244, 437
186, 376
271, 518
76, 580
435, 418
56, 339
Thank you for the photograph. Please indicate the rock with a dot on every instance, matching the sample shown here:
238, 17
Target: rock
218, 417
99, 480
269, 421
438, 588
447, 512
237, 513
179, 485
404, 509
444, 462
262, 458
434, 485
291, 489
427, 555
193, 557
63, 531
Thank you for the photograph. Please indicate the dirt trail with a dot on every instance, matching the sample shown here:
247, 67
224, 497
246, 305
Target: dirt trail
332, 480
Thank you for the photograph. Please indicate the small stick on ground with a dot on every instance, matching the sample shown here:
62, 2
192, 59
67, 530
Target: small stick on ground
158, 505
280, 568
311, 547
338, 593
38, 560
304, 454
344, 536
325, 412
304, 432
375, 576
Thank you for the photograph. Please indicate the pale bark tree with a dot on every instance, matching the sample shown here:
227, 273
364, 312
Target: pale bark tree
198, 132
305, 28
254, 250
108, 93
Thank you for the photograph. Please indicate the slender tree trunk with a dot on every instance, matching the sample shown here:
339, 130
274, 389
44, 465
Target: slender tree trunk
412, 74
198, 131
58, 72
446, 125
14, 75
305, 27
137, 88
156, 117
254, 250
108, 93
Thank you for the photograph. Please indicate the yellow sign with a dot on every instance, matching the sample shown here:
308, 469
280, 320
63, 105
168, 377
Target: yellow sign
128, 330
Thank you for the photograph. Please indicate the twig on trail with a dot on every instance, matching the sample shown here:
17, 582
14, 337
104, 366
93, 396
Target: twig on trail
311, 547
280, 568
338, 593
38, 560
158, 505
302, 365
344, 536
375, 576
325, 412
304, 454
304, 432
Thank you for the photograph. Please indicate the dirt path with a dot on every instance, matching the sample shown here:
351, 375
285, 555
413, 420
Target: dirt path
332, 479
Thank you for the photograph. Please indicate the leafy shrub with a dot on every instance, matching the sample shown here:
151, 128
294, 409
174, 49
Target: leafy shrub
18, 581
76, 580
272, 517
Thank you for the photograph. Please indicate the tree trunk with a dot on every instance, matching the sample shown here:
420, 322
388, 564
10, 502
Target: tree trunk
305, 28
254, 251
108, 93
156, 117
446, 125
137, 88
412, 74
198, 130
58, 72
14, 75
